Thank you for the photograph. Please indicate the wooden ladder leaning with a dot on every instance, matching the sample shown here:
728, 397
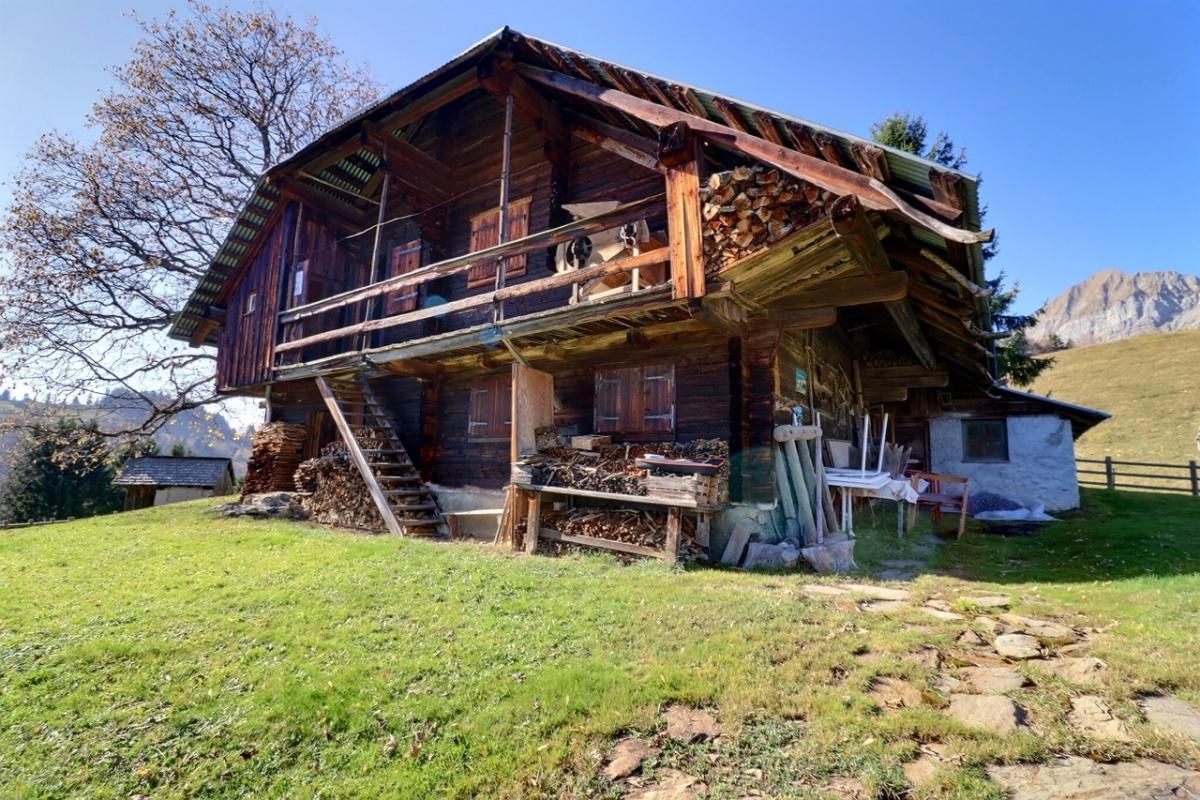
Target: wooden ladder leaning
404, 502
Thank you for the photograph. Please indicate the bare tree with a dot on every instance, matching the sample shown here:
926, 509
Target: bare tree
104, 239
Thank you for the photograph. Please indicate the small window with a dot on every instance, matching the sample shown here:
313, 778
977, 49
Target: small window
485, 233
635, 400
251, 304
490, 415
985, 440
405, 258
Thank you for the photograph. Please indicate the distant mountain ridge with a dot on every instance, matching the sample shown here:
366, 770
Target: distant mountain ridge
1112, 305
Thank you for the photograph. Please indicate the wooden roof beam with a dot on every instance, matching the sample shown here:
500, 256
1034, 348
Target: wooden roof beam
292, 188
498, 76
617, 141
852, 227
852, 291
874, 194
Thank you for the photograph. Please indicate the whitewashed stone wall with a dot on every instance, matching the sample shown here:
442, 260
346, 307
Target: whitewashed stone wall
1040, 466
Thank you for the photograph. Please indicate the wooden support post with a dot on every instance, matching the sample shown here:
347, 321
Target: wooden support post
681, 154
1110, 476
533, 522
674, 531
505, 176
365, 339
1195, 476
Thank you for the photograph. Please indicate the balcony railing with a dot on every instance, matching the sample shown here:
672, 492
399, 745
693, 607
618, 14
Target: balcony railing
363, 306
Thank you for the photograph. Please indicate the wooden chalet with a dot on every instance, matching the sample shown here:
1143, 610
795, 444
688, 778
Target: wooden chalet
530, 237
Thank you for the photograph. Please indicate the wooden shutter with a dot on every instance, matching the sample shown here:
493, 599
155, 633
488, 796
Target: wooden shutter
658, 398
635, 399
490, 414
485, 232
404, 259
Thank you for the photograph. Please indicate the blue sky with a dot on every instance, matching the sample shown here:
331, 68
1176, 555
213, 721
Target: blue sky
1081, 116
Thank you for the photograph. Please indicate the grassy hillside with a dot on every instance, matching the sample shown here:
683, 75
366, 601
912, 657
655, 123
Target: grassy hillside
169, 654
1151, 386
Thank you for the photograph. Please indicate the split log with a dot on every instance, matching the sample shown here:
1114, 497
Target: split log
275, 452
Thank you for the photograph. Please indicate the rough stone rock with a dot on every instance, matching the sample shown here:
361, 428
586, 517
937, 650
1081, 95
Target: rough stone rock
987, 712
1086, 670
937, 613
893, 693
1017, 645
1091, 715
920, 771
875, 592
1074, 778
1046, 632
993, 626
947, 684
627, 757
764, 556
883, 606
989, 601
833, 556
690, 724
928, 656
1173, 714
992, 680
266, 504
970, 639
670, 785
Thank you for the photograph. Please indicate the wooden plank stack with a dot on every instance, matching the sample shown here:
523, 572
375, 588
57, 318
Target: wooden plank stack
748, 208
612, 469
333, 492
275, 453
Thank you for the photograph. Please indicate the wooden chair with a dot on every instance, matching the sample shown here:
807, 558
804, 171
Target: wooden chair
935, 498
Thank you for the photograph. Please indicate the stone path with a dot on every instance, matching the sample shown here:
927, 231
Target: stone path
1173, 714
1074, 778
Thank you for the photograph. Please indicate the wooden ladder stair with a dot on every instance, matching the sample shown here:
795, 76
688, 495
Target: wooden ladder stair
405, 503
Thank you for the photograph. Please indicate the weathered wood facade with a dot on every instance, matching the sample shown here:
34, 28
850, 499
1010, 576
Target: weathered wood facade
451, 231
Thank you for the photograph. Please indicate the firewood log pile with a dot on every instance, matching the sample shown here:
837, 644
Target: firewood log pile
334, 493
275, 453
645, 528
612, 468
748, 208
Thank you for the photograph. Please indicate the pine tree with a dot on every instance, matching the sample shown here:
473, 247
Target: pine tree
60, 470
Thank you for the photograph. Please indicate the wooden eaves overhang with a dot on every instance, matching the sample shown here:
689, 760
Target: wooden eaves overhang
933, 212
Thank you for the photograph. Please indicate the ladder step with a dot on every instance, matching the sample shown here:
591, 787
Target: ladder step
415, 522
404, 493
397, 478
412, 506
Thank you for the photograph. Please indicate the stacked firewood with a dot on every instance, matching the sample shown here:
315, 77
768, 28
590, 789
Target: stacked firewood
612, 468
333, 492
275, 452
748, 208
645, 528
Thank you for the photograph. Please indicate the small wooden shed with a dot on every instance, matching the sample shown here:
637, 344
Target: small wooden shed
160, 480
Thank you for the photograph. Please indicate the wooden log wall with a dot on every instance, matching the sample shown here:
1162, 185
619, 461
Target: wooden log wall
245, 349
702, 409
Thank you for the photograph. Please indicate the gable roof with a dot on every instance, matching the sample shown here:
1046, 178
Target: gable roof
204, 473
905, 172
1082, 418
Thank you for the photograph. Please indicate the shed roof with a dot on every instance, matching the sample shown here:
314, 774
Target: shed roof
907, 172
1082, 418
198, 472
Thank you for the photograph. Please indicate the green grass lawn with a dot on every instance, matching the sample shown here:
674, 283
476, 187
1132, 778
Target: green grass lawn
170, 653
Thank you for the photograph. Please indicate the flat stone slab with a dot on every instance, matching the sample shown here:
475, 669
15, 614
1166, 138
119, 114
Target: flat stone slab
993, 626
1017, 645
1173, 714
671, 785
1047, 632
883, 606
627, 757
1091, 715
937, 613
894, 693
875, 592
992, 680
1074, 778
689, 725
920, 772
1084, 670
989, 601
986, 712
822, 589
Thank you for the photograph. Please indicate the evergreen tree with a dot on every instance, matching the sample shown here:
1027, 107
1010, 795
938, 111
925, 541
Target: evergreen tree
1015, 361
60, 469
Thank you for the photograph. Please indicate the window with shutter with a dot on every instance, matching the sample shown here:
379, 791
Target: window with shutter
404, 259
485, 232
635, 400
490, 414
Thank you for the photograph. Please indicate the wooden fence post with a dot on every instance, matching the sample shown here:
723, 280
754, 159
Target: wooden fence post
1195, 475
1109, 475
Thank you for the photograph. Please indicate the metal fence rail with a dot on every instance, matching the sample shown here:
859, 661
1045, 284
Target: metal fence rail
1183, 478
